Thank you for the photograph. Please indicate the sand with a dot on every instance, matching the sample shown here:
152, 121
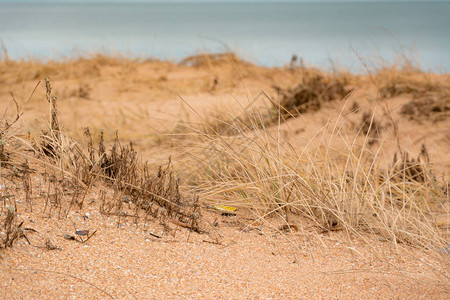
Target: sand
233, 260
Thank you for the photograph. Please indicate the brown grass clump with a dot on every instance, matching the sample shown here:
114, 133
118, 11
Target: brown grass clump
4, 155
157, 195
311, 94
412, 170
369, 126
209, 60
9, 147
393, 82
432, 108
11, 230
83, 92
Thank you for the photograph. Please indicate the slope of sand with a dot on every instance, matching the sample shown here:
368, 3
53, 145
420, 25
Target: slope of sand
235, 256
234, 259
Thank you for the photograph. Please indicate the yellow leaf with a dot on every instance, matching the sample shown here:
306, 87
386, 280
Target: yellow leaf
225, 208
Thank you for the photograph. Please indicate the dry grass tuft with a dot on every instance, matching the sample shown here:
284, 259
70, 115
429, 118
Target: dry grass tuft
369, 126
432, 108
208, 59
4, 155
11, 231
336, 190
393, 82
412, 170
310, 95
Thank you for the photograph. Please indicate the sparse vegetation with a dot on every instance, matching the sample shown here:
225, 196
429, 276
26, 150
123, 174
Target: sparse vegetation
75, 167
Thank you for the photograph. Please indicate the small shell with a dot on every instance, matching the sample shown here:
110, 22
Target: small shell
82, 232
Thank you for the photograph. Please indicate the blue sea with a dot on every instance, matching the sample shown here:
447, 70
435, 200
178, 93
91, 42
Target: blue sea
324, 34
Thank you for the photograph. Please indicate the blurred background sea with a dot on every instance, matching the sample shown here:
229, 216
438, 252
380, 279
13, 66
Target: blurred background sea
325, 34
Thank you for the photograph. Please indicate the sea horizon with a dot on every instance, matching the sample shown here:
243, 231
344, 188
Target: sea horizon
325, 34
